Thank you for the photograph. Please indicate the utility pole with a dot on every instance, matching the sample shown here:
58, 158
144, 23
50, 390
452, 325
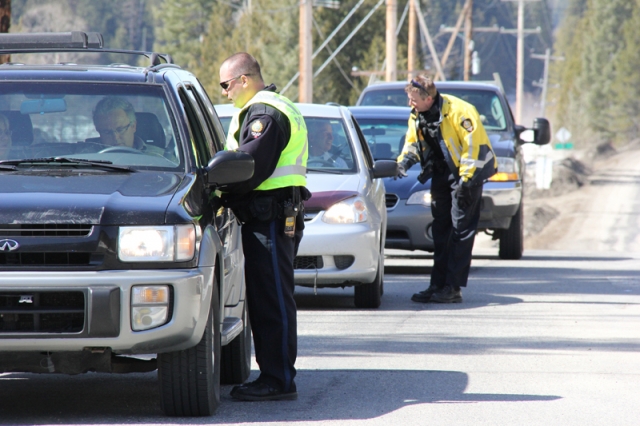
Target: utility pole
463, 13
468, 32
412, 42
306, 78
425, 31
545, 77
391, 41
5, 23
520, 59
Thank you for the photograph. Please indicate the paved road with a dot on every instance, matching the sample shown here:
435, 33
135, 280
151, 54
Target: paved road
552, 339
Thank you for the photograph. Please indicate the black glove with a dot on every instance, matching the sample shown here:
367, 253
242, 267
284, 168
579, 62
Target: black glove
402, 173
464, 196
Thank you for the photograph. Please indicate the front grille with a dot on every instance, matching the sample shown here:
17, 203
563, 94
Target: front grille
46, 230
45, 259
41, 312
308, 262
391, 200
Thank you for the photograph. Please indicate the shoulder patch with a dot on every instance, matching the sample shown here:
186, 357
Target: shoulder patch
466, 124
256, 128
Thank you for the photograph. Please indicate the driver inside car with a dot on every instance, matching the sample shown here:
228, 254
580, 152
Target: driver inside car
115, 121
320, 137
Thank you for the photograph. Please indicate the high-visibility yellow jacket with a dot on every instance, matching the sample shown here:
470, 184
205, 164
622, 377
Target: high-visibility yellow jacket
291, 168
462, 139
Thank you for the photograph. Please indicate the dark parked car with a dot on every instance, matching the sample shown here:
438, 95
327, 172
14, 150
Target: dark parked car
111, 251
409, 202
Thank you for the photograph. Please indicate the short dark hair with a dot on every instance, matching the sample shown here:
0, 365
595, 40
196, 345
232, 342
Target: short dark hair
111, 103
242, 63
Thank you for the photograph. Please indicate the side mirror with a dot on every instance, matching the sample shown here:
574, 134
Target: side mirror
227, 167
385, 168
542, 130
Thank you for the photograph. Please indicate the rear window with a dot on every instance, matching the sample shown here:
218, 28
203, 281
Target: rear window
132, 125
391, 97
492, 112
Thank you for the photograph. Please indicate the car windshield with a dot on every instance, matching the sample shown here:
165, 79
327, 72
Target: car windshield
492, 113
126, 125
384, 136
329, 146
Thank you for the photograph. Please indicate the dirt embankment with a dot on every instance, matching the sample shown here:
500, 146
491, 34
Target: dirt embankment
552, 215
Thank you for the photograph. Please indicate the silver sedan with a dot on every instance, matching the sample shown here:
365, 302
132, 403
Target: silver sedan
346, 218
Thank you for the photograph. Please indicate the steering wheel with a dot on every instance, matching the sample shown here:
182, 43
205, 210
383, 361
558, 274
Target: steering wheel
319, 163
120, 148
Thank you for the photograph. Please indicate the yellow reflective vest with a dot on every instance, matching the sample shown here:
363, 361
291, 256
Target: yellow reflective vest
462, 139
291, 168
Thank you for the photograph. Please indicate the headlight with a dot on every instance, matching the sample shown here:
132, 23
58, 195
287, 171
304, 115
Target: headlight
353, 210
157, 243
421, 197
507, 170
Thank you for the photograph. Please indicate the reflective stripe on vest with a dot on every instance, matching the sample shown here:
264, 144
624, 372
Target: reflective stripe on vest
291, 168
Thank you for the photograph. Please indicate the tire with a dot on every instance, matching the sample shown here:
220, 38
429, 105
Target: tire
369, 295
190, 379
512, 239
236, 356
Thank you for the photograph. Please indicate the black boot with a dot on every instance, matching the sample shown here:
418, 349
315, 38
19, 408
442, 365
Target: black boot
425, 295
447, 295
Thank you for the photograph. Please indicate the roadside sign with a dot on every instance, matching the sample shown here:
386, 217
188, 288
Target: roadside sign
563, 135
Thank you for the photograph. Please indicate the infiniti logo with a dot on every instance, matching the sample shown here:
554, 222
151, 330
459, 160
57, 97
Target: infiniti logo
8, 245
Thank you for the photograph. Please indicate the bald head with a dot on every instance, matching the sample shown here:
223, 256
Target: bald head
243, 63
240, 78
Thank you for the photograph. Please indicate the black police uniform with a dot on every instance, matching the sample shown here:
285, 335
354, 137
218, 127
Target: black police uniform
269, 253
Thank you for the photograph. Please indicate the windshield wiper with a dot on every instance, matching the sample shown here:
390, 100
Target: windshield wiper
70, 161
333, 172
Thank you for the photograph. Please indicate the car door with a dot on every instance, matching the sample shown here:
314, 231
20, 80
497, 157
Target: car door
229, 226
209, 139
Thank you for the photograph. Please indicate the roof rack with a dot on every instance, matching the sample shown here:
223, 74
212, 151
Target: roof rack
74, 41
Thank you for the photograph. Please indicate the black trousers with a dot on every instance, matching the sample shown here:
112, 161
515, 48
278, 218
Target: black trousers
453, 229
269, 255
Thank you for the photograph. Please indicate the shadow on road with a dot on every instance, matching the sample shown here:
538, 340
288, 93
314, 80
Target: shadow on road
104, 399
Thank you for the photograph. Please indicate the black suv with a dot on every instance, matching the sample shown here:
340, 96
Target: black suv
113, 243
382, 113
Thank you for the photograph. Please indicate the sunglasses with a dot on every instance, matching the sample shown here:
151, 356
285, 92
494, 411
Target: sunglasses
419, 86
225, 84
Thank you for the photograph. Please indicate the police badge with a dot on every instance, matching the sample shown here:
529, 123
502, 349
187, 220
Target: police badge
466, 123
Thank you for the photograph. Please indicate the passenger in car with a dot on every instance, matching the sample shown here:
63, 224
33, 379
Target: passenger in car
115, 120
7, 150
320, 144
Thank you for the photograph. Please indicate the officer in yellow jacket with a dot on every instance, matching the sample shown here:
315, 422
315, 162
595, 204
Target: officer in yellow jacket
270, 128
446, 137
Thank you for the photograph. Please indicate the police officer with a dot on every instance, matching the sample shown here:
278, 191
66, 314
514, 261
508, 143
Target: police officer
445, 135
270, 128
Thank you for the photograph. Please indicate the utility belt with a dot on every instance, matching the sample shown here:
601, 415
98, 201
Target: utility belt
282, 203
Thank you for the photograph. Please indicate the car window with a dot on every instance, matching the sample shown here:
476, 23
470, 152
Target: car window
201, 143
217, 131
329, 146
133, 125
226, 122
391, 97
368, 157
385, 137
488, 105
